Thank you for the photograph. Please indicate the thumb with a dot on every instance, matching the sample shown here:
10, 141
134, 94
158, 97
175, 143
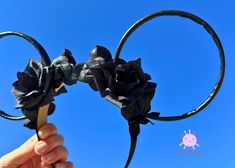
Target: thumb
21, 154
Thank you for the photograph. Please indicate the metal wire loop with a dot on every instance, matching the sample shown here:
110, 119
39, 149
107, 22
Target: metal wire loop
208, 28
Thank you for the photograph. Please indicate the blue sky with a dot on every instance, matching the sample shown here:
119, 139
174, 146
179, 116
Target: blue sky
179, 54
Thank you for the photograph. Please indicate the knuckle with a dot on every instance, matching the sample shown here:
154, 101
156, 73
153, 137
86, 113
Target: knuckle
55, 140
61, 152
51, 127
47, 130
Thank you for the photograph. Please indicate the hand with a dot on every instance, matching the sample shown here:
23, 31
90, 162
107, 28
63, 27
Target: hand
39, 154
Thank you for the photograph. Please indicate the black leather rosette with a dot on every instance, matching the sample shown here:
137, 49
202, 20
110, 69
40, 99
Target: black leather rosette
128, 87
36, 85
123, 84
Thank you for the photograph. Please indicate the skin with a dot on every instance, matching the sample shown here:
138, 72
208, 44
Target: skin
39, 154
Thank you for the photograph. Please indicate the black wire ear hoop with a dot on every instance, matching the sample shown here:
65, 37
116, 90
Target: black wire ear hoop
208, 28
45, 59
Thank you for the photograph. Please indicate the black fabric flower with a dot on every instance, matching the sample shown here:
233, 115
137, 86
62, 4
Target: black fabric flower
128, 87
36, 85
123, 84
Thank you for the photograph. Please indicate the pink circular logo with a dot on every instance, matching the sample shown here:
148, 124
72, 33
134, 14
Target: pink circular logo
189, 140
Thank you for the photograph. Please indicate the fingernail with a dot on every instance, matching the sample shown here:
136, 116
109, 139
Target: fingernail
43, 133
60, 165
41, 147
49, 157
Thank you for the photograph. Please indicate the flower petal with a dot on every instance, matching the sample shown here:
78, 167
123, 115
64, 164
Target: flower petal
100, 80
102, 52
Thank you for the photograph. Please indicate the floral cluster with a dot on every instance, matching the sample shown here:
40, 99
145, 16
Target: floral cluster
122, 83
36, 85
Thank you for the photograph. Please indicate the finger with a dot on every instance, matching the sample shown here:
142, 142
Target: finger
21, 154
30, 141
64, 165
58, 154
49, 144
44, 132
47, 130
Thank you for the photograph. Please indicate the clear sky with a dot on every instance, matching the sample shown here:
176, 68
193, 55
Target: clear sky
179, 54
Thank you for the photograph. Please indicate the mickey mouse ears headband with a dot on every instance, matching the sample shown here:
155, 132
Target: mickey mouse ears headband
122, 83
